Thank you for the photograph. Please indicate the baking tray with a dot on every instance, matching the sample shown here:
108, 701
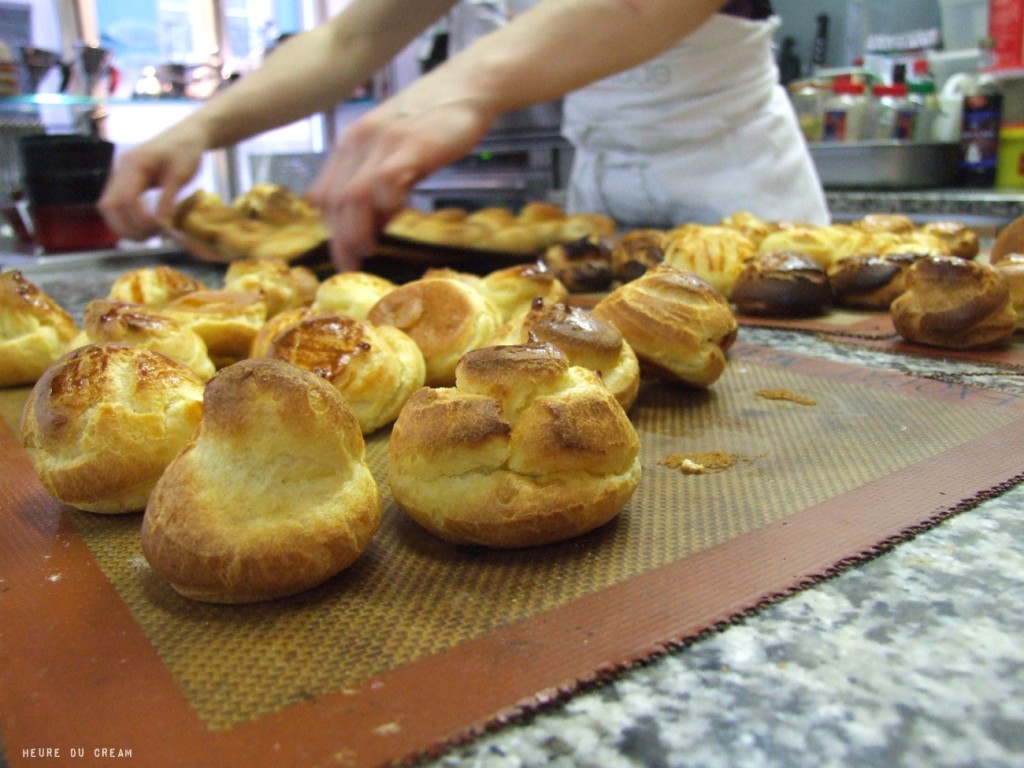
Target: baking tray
885, 164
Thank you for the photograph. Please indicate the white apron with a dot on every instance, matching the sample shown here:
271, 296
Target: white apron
695, 134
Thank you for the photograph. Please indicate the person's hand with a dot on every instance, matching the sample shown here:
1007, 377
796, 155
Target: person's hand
167, 162
376, 162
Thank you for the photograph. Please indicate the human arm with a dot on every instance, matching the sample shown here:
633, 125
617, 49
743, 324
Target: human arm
544, 53
308, 73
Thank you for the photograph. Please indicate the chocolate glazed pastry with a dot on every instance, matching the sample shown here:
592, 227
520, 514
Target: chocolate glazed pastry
870, 281
583, 265
782, 283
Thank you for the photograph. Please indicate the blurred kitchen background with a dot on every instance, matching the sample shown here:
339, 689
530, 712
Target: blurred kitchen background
125, 68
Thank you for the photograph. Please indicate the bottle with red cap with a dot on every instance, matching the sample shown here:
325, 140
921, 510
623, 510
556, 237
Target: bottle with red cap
845, 110
893, 113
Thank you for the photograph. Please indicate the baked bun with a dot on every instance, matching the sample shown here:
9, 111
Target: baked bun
281, 286
203, 214
525, 450
536, 226
869, 281
282, 320
352, 294
270, 497
376, 368
677, 324
267, 222
153, 286
1011, 267
782, 284
960, 240
105, 321
713, 253
583, 265
34, 330
955, 303
637, 251
586, 341
755, 228
886, 222
823, 244
104, 421
513, 289
446, 318
1009, 239
226, 320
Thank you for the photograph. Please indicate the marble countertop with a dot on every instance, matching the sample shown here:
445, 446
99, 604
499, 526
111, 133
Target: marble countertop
990, 208
914, 658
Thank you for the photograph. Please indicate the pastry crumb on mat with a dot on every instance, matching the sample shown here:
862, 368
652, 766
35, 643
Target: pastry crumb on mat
699, 463
785, 394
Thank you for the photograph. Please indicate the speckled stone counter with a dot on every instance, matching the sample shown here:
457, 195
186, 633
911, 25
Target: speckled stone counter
987, 208
915, 658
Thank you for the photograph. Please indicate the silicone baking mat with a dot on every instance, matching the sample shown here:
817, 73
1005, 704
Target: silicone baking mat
876, 330
839, 322
810, 466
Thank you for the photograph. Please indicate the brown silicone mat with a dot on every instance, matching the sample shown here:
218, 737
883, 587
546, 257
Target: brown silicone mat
876, 330
1008, 358
422, 644
838, 322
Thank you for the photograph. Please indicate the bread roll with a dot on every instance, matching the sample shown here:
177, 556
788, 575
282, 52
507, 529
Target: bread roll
105, 321
960, 240
920, 242
886, 222
513, 289
782, 284
586, 341
754, 227
281, 321
226, 320
276, 205
446, 318
104, 421
1009, 239
869, 281
281, 286
678, 325
34, 330
955, 303
582, 266
823, 244
715, 254
153, 286
270, 497
637, 251
352, 294
1011, 267
525, 450
204, 215
376, 369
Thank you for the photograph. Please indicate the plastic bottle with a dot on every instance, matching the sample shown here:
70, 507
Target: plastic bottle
893, 113
845, 110
925, 100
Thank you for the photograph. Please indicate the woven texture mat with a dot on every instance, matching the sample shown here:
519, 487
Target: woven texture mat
422, 644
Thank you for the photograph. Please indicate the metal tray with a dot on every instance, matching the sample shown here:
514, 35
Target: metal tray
885, 164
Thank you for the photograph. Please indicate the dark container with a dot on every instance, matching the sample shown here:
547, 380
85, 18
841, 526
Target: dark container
45, 153
979, 139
